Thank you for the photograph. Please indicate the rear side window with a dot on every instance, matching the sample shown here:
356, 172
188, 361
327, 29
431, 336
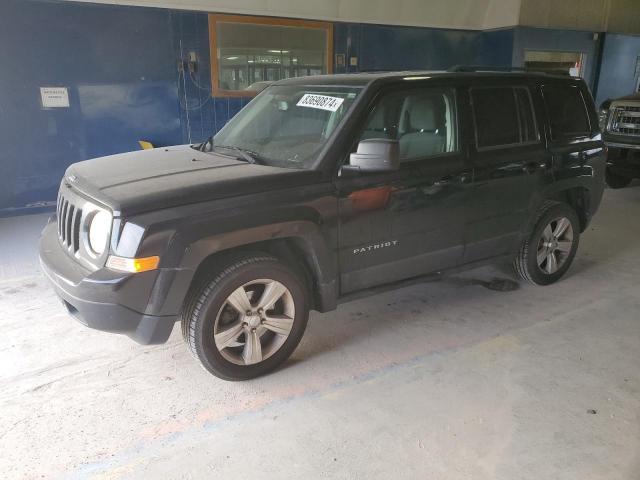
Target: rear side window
567, 111
496, 116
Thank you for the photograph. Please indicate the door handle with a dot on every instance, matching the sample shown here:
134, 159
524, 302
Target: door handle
463, 177
532, 167
443, 181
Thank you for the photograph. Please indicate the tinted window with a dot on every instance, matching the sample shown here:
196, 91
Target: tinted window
528, 128
496, 116
567, 111
423, 121
287, 125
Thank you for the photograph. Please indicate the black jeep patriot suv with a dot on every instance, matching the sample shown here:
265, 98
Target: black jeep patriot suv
320, 189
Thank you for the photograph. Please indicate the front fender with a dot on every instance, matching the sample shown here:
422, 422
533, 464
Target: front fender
185, 241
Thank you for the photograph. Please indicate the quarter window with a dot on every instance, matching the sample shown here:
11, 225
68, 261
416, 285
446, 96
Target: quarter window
423, 122
567, 111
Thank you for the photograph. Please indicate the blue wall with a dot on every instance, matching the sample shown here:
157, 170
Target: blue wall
382, 47
120, 65
530, 38
200, 114
617, 73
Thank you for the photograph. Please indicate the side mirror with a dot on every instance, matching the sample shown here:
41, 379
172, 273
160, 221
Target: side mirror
375, 155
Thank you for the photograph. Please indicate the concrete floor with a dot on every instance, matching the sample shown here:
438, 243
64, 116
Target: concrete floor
447, 380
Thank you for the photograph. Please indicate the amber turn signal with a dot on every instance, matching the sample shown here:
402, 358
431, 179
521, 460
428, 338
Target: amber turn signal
133, 265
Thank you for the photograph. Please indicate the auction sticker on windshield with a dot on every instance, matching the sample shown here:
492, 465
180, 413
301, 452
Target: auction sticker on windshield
322, 102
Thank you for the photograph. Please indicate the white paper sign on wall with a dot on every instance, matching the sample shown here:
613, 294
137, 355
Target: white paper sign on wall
54, 97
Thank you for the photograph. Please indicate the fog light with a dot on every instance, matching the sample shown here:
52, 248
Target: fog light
133, 265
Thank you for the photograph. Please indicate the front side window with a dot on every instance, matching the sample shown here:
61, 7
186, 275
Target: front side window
288, 125
423, 121
567, 111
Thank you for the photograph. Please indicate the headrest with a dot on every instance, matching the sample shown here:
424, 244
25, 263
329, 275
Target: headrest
422, 114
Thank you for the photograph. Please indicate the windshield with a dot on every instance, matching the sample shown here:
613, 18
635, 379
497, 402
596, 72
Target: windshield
287, 126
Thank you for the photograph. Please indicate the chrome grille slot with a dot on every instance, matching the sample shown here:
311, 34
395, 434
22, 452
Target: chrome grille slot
63, 223
75, 213
625, 120
75, 229
69, 223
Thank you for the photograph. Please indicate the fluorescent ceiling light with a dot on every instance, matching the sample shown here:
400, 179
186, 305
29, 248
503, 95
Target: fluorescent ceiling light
278, 51
232, 58
415, 78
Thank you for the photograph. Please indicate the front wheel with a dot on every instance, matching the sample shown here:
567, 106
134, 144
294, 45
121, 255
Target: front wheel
247, 318
546, 255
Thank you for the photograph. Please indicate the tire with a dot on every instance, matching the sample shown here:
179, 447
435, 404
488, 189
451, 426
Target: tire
246, 345
616, 181
534, 262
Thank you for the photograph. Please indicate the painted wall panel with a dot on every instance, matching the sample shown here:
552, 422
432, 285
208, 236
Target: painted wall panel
624, 16
120, 65
380, 47
618, 72
501, 13
459, 14
572, 14
120, 74
529, 38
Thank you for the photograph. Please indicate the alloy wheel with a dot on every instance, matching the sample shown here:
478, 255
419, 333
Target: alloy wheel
254, 322
555, 245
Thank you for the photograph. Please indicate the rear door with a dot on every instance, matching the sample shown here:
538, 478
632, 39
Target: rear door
574, 139
510, 166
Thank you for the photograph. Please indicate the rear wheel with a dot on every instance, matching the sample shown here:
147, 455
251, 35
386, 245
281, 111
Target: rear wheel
247, 318
616, 181
548, 252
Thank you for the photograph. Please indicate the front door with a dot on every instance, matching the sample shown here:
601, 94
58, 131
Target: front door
402, 224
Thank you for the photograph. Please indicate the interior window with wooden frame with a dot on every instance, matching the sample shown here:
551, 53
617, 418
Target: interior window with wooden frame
246, 51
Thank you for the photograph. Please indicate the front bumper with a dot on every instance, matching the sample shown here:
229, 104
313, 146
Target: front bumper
104, 299
624, 160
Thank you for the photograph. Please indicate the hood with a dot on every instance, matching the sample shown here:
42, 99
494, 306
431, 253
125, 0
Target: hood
147, 180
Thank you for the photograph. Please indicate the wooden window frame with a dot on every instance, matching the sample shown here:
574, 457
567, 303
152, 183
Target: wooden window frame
215, 18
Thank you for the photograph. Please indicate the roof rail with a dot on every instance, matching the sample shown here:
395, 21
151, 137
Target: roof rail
484, 68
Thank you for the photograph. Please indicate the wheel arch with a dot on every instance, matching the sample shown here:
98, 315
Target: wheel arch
298, 244
578, 197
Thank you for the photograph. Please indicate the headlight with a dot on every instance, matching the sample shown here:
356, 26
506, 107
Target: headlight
99, 230
602, 118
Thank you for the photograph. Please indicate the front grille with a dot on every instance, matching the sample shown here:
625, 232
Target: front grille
625, 120
69, 221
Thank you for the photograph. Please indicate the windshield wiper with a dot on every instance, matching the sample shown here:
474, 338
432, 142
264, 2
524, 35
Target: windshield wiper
247, 155
203, 146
